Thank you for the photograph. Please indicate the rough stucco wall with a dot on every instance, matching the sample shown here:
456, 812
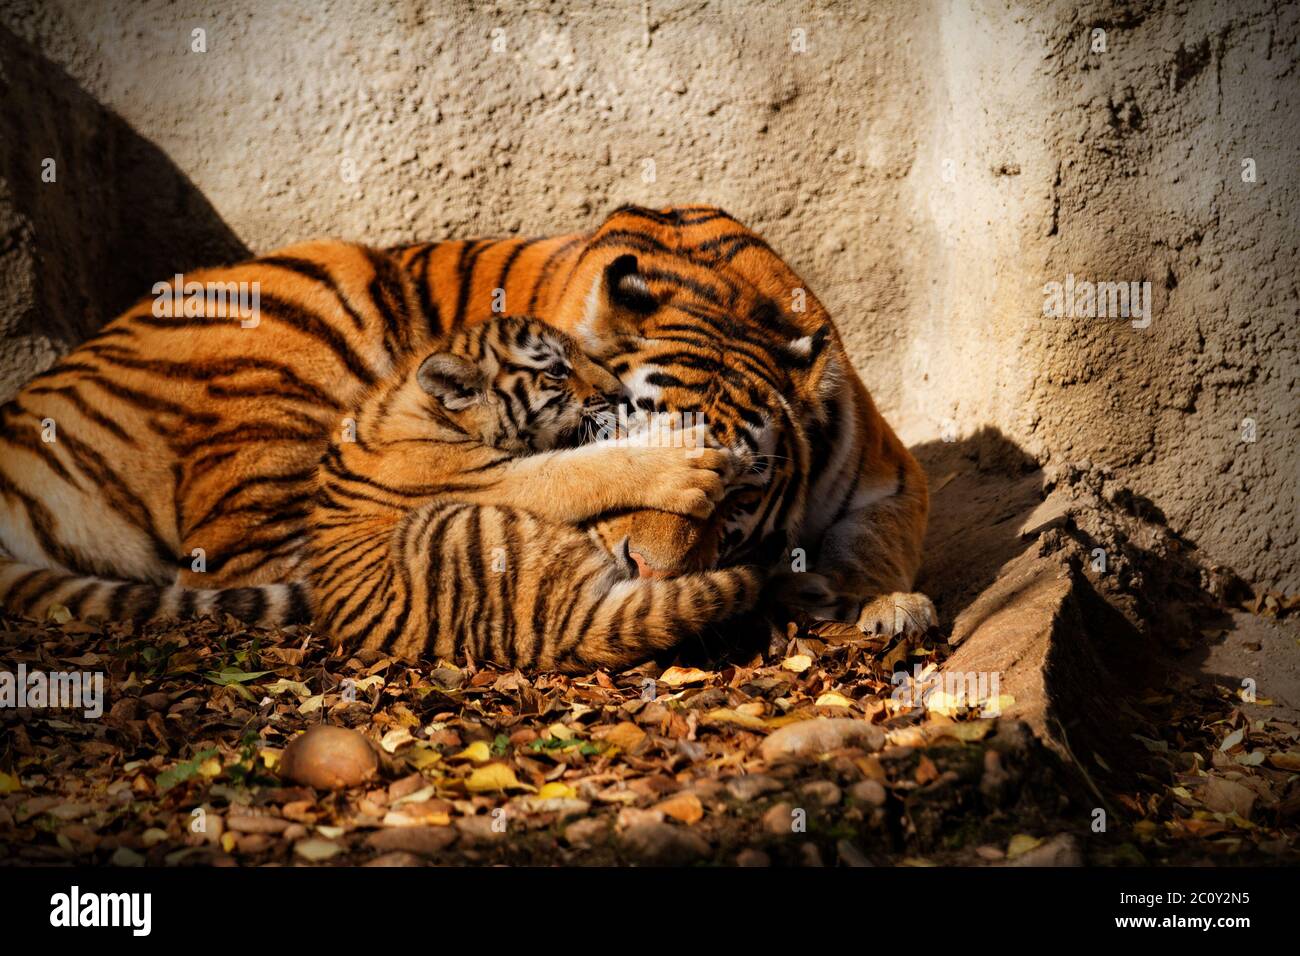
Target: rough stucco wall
1122, 165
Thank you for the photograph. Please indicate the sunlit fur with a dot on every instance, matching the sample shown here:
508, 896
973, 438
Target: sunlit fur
696, 313
404, 558
192, 443
185, 447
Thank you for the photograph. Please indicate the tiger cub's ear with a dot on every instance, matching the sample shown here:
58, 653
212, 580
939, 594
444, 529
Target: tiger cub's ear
455, 381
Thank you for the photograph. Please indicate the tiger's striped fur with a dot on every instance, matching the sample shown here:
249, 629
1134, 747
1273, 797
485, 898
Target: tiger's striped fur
35, 591
191, 442
182, 449
696, 313
448, 523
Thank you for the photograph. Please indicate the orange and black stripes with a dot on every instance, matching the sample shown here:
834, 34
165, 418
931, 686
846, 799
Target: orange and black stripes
190, 441
189, 431
405, 560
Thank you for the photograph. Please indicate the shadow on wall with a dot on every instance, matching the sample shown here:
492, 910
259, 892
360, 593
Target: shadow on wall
982, 490
118, 217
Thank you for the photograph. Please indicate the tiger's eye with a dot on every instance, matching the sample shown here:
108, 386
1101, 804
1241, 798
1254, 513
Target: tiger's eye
558, 371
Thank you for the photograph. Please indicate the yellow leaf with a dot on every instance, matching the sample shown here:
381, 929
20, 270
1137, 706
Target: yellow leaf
832, 699
560, 732
685, 807
228, 840
969, 731
941, 702
9, 783
493, 776
556, 790
316, 850
1021, 844
1232, 739
625, 735
282, 686
798, 663
210, 767
270, 758
1145, 830
311, 704
478, 751
723, 715
58, 614
1286, 761
680, 676
421, 756
416, 817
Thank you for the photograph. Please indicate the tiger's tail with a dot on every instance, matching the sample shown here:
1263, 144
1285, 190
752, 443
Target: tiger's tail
640, 617
32, 591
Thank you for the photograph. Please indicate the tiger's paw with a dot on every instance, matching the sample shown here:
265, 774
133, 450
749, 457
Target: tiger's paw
902, 612
688, 482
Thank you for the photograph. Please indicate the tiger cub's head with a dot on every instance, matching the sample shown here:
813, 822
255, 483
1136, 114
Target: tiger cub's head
519, 385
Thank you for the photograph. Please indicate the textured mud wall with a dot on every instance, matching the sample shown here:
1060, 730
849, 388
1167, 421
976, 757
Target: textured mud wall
927, 166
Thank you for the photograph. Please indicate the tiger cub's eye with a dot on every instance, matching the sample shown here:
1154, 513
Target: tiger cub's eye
558, 371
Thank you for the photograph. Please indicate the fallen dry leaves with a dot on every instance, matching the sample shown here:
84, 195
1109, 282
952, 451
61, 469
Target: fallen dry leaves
476, 764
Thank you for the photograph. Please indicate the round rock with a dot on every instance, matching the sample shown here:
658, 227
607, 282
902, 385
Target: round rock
329, 758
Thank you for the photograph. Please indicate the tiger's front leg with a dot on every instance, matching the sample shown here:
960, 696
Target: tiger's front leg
863, 569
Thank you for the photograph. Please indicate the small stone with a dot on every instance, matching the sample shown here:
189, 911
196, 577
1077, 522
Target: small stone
869, 792
808, 738
850, 855
479, 830
708, 789
425, 841
753, 858
250, 843
779, 820
822, 793
663, 844
330, 758
629, 817
809, 855
396, 858
295, 832
1060, 850
752, 786
251, 824
584, 833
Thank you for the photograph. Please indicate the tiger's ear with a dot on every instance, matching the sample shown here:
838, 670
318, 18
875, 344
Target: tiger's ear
812, 362
455, 381
619, 299
623, 287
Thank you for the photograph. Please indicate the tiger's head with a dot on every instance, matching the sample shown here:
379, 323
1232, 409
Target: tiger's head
519, 385
697, 315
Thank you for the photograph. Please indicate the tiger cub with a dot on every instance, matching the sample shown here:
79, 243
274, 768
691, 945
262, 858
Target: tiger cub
450, 523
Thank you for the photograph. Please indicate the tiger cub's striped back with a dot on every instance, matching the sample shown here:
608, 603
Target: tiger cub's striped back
444, 528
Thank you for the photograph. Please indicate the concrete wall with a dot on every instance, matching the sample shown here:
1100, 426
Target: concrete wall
927, 166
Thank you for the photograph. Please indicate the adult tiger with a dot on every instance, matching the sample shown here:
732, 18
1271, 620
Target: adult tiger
182, 448
696, 313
